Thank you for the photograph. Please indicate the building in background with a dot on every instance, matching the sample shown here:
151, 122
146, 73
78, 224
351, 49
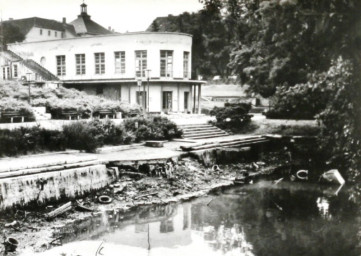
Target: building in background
152, 69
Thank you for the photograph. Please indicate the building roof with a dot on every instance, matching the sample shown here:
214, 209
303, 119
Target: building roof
84, 25
25, 25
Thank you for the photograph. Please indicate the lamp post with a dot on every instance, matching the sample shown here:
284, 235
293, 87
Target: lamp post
139, 83
148, 77
28, 78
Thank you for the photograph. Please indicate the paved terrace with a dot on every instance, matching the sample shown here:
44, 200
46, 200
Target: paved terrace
135, 152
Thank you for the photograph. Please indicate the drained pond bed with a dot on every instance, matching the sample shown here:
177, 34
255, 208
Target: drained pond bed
287, 218
194, 210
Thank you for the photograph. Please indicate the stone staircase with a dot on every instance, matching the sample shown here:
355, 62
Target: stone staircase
40, 113
201, 131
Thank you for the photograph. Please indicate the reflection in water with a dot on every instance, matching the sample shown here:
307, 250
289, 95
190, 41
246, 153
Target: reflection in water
260, 219
323, 206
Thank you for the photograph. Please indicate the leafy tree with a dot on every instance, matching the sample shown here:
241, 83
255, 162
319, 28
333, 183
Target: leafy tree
10, 34
293, 43
155, 26
211, 40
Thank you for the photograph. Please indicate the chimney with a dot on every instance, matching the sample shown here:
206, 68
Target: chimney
110, 28
11, 19
64, 20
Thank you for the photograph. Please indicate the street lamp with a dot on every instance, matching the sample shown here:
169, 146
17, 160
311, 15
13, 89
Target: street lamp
148, 71
139, 83
28, 78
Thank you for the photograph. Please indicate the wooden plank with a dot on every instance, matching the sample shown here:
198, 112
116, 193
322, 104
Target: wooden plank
62, 209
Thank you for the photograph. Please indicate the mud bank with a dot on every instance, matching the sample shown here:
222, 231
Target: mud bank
187, 179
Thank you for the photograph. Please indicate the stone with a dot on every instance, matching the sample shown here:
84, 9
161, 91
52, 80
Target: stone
154, 143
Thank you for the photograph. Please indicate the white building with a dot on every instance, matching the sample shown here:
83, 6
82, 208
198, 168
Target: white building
122, 67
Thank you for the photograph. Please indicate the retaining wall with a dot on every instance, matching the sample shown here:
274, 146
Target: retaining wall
42, 188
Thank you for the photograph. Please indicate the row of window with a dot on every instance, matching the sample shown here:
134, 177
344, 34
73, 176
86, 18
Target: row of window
7, 73
166, 63
49, 33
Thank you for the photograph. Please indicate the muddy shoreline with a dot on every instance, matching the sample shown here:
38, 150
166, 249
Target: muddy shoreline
35, 233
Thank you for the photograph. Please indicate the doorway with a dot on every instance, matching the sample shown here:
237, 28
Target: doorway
167, 101
186, 101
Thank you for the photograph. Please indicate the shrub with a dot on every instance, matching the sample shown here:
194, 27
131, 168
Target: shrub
302, 101
30, 140
152, 128
58, 99
8, 104
83, 136
233, 116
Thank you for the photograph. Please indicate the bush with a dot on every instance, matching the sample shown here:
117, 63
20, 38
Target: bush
152, 128
30, 140
61, 99
83, 136
8, 104
302, 101
233, 116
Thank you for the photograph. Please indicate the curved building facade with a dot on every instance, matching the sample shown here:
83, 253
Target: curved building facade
152, 69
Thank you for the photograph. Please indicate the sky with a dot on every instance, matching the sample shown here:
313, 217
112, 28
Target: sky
122, 15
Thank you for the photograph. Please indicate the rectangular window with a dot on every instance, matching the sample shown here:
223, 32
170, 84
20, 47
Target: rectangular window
4, 73
99, 63
62, 35
119, 62
140, 63
49, 32
56, 34
41, 31
80, 64
15, 70
60, 65
185, 64
166, 63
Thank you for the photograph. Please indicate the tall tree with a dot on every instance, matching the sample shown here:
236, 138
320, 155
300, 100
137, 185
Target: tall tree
10, 34
284, 43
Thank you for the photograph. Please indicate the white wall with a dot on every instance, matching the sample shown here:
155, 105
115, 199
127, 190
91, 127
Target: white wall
130, 42
34, 35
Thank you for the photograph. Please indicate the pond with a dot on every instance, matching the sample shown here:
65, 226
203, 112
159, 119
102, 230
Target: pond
259, 219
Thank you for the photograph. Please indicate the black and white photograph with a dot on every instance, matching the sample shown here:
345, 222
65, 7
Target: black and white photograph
180, 127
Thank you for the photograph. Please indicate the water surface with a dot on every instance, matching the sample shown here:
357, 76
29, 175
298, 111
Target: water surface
259, 219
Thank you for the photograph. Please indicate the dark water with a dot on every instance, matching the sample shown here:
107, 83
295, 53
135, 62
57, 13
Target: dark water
260, 219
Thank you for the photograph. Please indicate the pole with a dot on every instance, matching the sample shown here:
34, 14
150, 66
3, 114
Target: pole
28, 78
143, 99
148, 70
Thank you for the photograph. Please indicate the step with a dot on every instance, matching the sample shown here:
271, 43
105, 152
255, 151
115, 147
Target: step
207, 136
200, 131
194, 126
203, 133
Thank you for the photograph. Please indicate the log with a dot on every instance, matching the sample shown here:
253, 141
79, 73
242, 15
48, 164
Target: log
60, 210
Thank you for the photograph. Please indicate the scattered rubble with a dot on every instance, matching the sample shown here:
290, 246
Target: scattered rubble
145, 185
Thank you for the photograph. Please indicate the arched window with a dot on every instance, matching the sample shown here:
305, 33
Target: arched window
43, 61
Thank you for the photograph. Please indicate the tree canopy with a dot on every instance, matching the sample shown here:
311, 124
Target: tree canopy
10, 34
281, 47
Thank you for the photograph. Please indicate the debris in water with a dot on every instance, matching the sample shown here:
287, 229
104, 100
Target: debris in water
333, 176
104, 199
10, 244
60, 210
12, 224
277, 181
302, 174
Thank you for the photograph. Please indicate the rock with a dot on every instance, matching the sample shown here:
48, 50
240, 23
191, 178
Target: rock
154, 143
